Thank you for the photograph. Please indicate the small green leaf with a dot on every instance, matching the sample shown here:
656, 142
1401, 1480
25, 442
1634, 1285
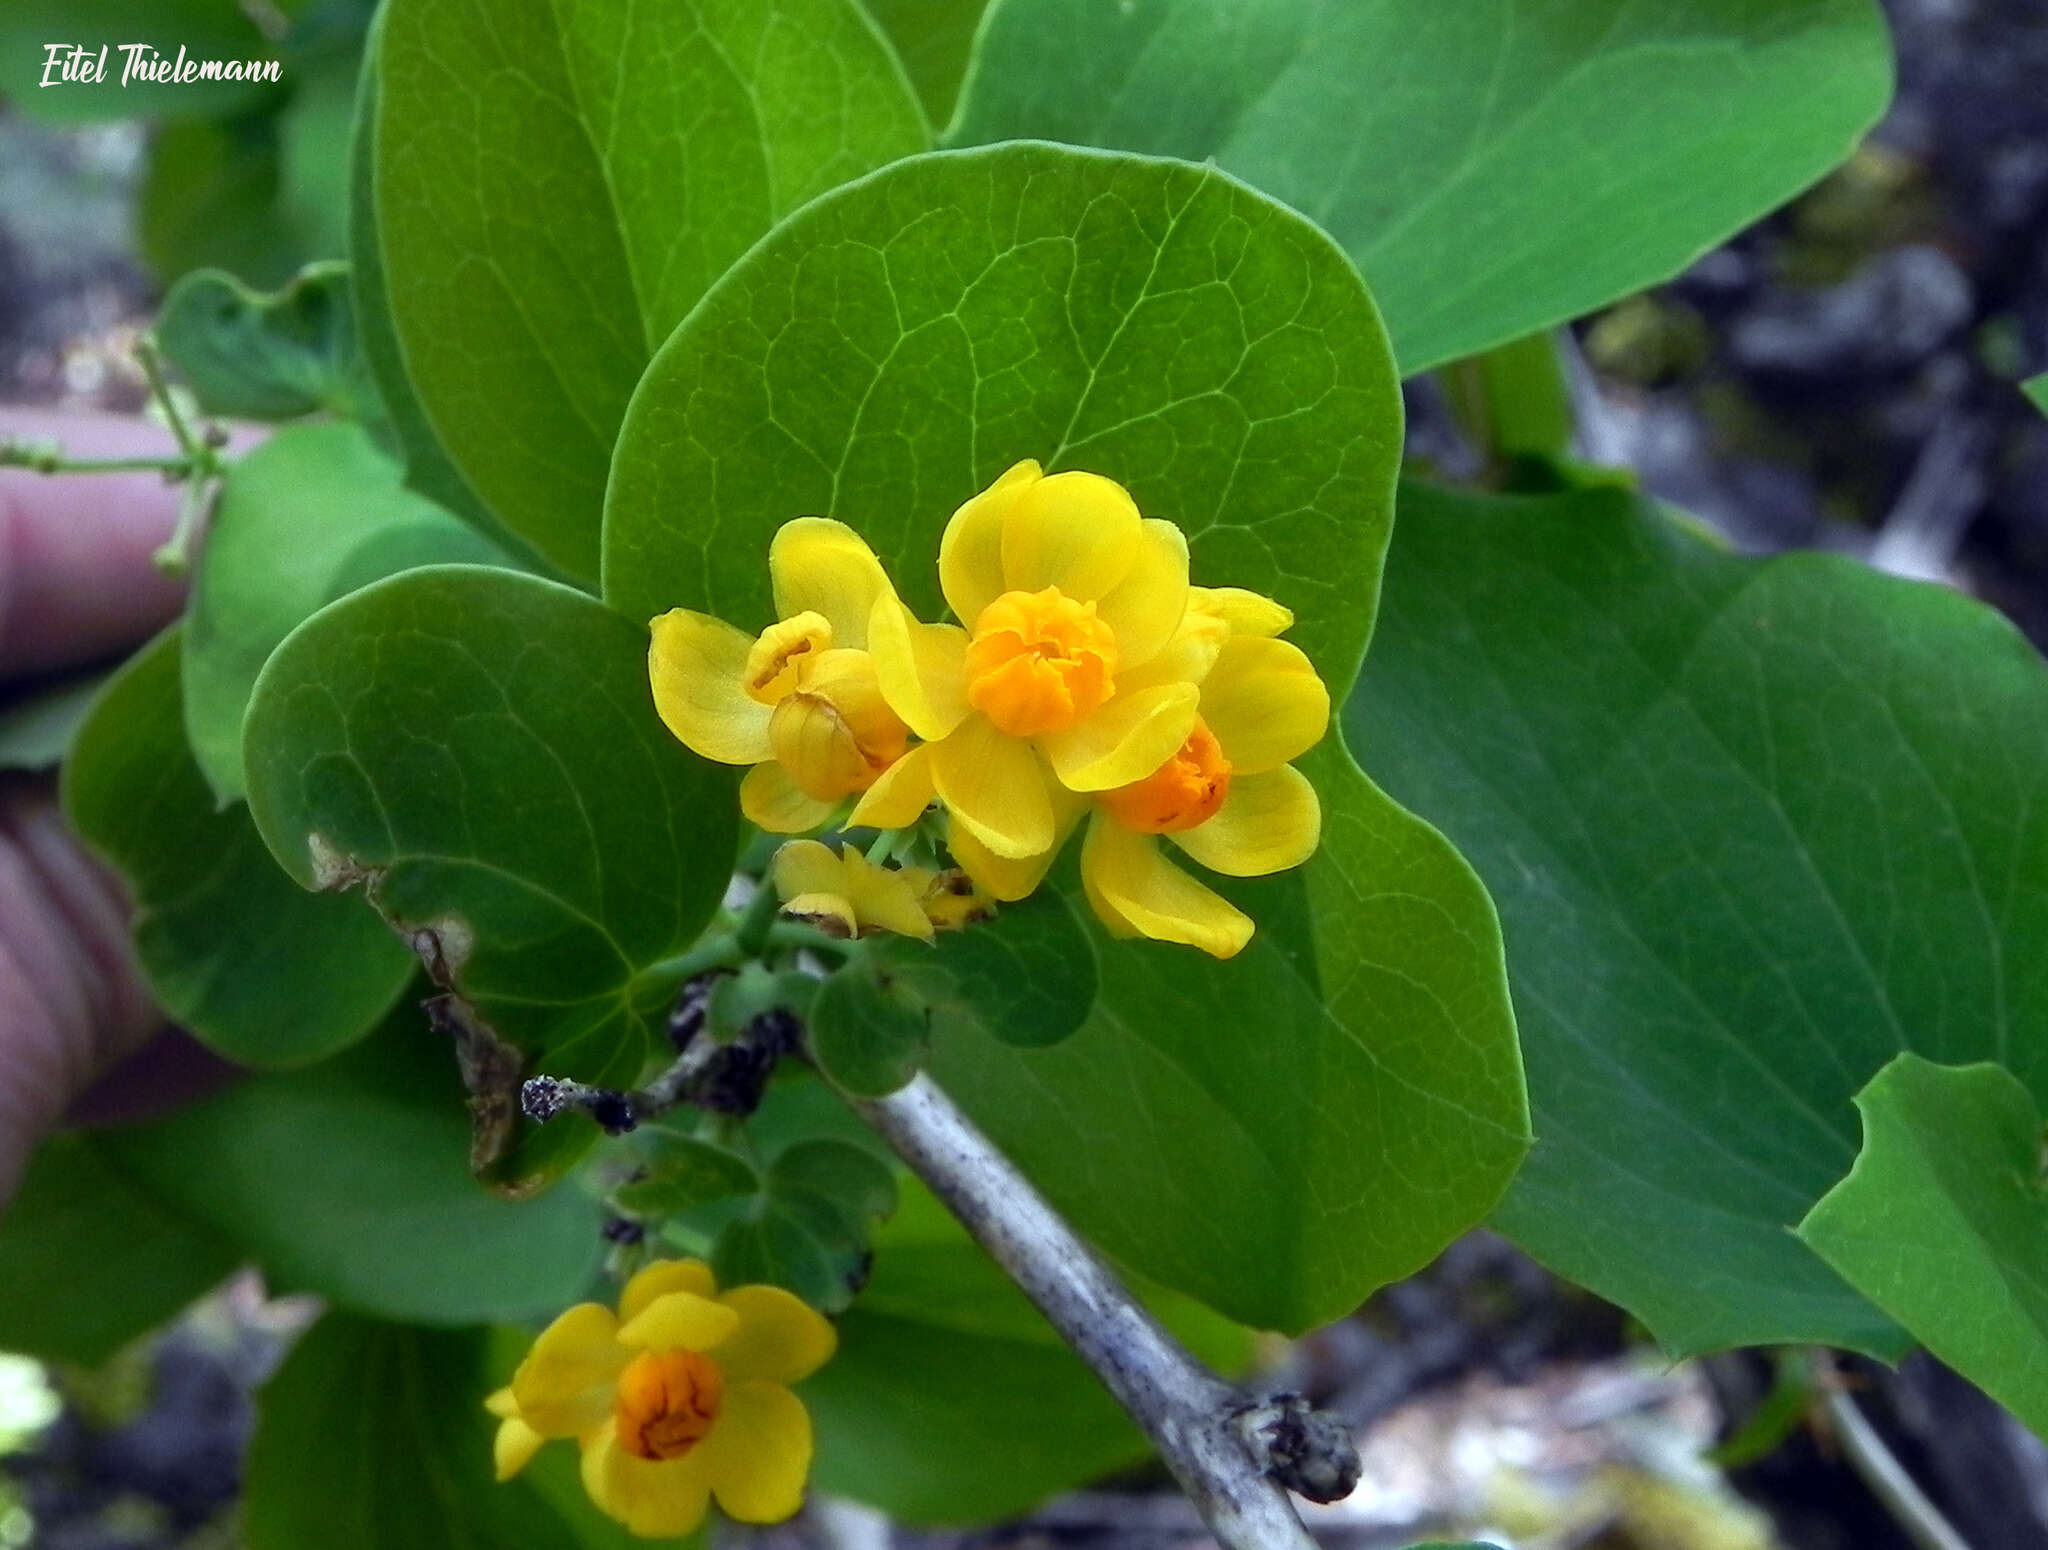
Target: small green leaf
350, 1180
1493, 168
39, 723
682, 1172
808, 1230
89, 1261
1943, 1223
922, 1397
262, 972
559, 181
1028, 977
1323, 1113
1754, 826
394, 1418
933, 39
2036, 388
868, 1032
479, 749
254, 356
309, 516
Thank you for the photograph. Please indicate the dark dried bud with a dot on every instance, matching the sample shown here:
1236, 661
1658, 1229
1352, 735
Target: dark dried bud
693, 1005
622, 1229
614, 1111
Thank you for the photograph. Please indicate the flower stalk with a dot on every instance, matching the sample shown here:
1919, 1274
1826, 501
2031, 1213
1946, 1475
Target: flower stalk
1235, 1456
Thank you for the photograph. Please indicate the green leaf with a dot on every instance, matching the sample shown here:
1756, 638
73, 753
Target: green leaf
1753, 828
311, 515
808, 1230
2036, 388
39, 722
1943, 1223
923, 1395
262, 972
88, 1261
479, 749
933, 39
254, 356
1493, 168
203, 29
394, 1418
868, 1032
350, 1180
1027, 977
881, 357
559, 181
682, 1172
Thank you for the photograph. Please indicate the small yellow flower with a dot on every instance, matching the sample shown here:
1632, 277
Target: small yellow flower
680, 1398
845, 894
800, 703
1048, 686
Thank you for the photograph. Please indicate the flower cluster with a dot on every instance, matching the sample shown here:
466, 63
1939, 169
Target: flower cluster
1082, 679
680, 1397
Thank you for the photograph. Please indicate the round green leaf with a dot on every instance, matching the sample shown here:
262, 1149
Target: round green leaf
479, 750
868, 1033
1494, 166
558, 181
264, 973
256, 356
1754, 827
1323, 1113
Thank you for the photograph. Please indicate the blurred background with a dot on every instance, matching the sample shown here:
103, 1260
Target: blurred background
1842, 375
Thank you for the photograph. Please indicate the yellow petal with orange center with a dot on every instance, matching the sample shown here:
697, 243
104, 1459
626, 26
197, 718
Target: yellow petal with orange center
655, 1498
665, 1276
1076, 531
697, 667
679, 1321
772, 801
564, 1386
1039, 662
1265, 703
1138, 892
818, 565
996, 786
899, 795
1146, 607
1187, 790
780, 1338
1267, 823
971, 550
758, 1454
1126, 740
921, 668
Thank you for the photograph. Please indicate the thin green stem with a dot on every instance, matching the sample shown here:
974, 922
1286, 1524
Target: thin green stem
197, 453
757, 920
174, 556
50, 459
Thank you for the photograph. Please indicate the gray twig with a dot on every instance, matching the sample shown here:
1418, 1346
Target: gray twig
1236, 1456
1881, 1471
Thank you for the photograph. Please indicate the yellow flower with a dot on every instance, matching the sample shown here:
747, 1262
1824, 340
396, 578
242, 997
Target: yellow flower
1048, 686
681, 1397
1228, 797
845, 894
801, 703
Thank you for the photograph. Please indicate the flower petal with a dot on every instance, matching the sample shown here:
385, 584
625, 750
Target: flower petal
1267, 823
564, 1386
1137, 891
1010, 879
885, 898
799, 867
501, 1403
679, 1321
1247, 613
781, 1338
759, 1452
818, 565
971, 552
697, 666
514, 1447
1264, 702
899, 795
674, 1275
773, 801
922, 668
996, 786
1076, 531
1186, 658
1146, 607
655, 1498
1126, 740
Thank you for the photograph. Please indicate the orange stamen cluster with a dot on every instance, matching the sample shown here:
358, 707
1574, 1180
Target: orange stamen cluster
1039, 662
1184, 791
667, 1401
